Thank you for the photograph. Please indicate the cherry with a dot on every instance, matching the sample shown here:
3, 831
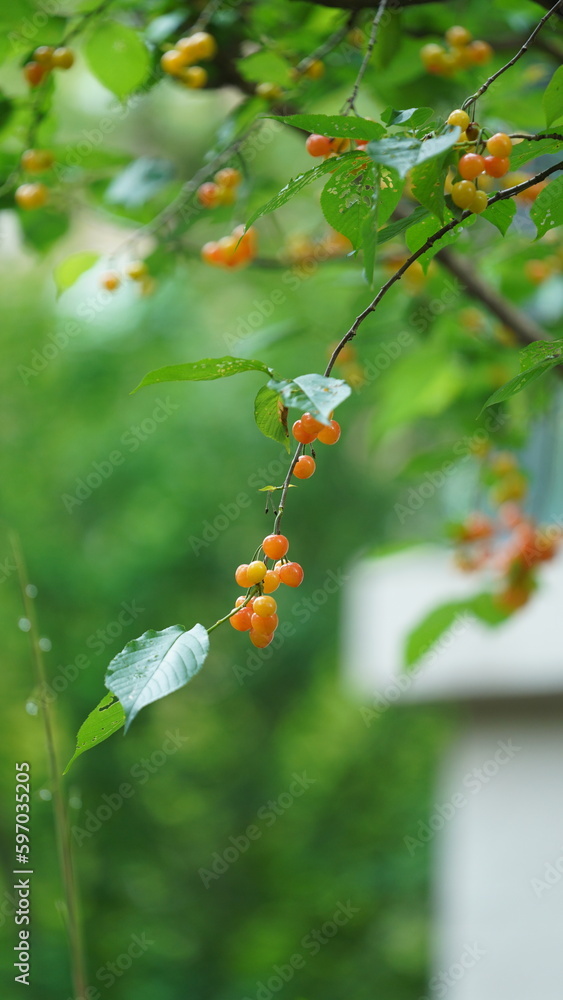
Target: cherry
242, 620
200, 45
264, 606
314, 70
472, 131
291, 574
212, 253
110, 280
209, 195
470, 166
500, 144
241, 576
329, 435
300, 434
463, 193
433, 57
271, 581
172, 62
269, 91
310, 424
480, 52
304, 467
497, 166
35, 161
479, 203
228, 177
260, 640
194, 77
30, 196
459, 117
339, 145
265, 624
44, 55
458, 36
275, 546
34, 73
255, 572
136, 269
62, 58
318, 145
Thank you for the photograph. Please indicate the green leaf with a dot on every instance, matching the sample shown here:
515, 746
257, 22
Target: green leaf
389, 38
139, 182
70, 269
154, 665
501, 214
265, 65
428, 185
298, 183
395, 229
203, 371
6, 109
369, 235
314, 393
334, 125
530, 149
117, 56
413, 117
426, 634
271, 416
547, 210
390, 191
540, 350
552, 100
401, 153
348, 197
521, 381
103, 722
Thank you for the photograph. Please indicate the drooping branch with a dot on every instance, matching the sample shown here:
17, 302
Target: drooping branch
350, 104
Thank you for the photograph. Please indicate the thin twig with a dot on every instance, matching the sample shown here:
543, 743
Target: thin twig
485, 86
536, 138
350, 104
59, 807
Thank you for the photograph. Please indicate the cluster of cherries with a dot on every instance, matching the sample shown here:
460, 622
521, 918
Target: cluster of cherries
323, 145
34, 194
473, 165
460, 52
222, 190
136, 270
45, 58
233, 251
511, 544
256, 612
179, 62
306, 430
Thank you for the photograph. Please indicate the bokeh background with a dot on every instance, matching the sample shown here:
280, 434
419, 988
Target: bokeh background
250, 725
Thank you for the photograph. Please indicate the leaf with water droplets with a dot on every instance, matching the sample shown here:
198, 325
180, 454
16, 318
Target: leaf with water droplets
103, 721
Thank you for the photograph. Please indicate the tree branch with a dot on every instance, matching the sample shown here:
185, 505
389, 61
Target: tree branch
350, 104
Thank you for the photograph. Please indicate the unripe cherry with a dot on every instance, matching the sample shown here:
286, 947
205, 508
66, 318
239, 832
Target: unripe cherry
136, 269
271, 581
463, 193
457, 35
36, 161
479, 203
241, 576
208, 194
260, 640
264, 606
264, 623
256, 571
195, 77
29, 196
35, 73
62, 58
172, 62
275, 546
110, 280
44, 55
459, 117
499, 144
228, 177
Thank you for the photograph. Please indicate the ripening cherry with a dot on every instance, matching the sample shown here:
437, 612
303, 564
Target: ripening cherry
304, 467
228, 177
331, 434
271, 581
432, 56
275, 546
264, 623
269, 91
62, 58
480, 52
211, 253
311, 424
209, 195
470, 166
200, 45
242, 620
256, 571
264, 606
172, 62
460, 118
458, 36
35, 73
110, 280
300, 434
314, 70
339, 145
260, 640
291, 574
44, 55
472, 131
479, 203
29, 196
36, 161
463, 193
497, 166
195, 77
500, 144
318, 145
136, 269
241, 576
